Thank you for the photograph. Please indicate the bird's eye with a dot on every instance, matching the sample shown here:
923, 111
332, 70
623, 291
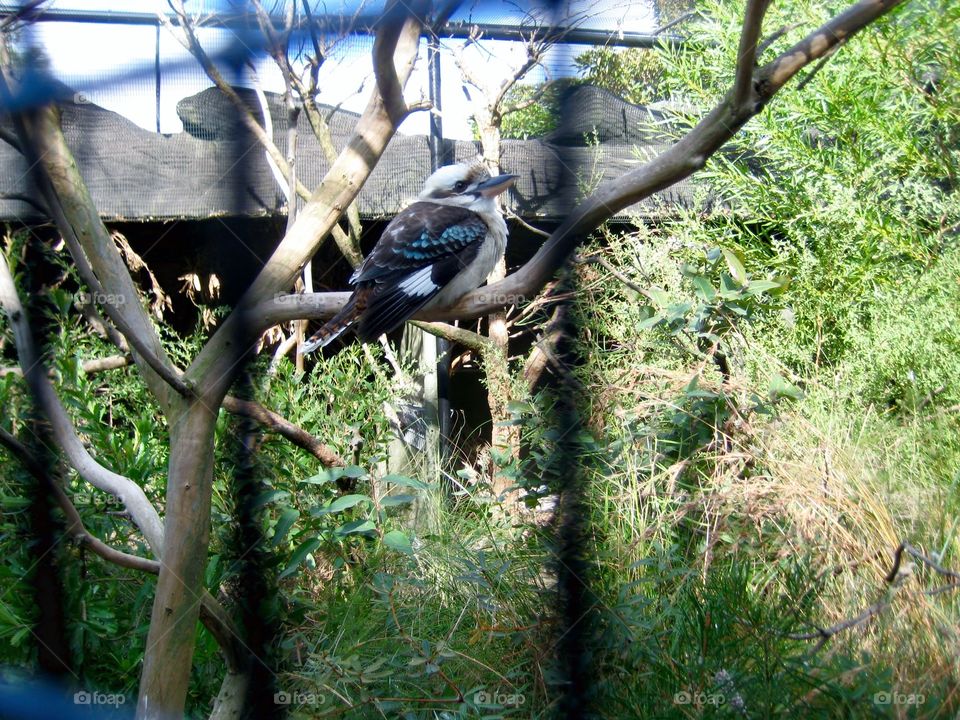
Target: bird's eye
460, 185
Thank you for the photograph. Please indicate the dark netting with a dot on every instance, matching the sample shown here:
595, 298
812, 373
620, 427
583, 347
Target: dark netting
135, 174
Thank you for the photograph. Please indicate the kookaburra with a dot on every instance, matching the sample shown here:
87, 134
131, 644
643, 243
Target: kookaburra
435, 251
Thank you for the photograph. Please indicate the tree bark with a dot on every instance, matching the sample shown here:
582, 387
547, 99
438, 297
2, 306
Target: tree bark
170, 643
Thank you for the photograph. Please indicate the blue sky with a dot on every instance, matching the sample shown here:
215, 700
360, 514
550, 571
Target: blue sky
89, 57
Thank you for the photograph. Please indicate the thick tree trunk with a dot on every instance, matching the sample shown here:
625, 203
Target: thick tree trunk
169, 654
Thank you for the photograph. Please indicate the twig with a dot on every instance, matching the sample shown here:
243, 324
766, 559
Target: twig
602, 262
87, 367
75, 526
894, 578
519, 220
283, 427
773, 37
805, 80
467, 338
673, 23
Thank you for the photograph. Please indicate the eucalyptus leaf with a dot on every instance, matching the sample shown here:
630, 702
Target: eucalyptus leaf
397, 540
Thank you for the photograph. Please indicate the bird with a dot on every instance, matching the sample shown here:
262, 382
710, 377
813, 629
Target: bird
436, 250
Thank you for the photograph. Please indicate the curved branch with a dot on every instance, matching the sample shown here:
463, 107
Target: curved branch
679, 161
338, 189
385, 71
91, 245
142, 512
685, 157
214, 616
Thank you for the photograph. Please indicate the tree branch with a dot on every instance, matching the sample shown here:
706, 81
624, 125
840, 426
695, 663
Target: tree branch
93, 250
338, 189
685, 157
893, 579
467, 338
283, 427
388, 82
144, 515
682, 159
214, 617
747, 53
87, 367
75, 527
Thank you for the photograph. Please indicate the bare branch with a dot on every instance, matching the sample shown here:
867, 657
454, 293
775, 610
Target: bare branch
388, 83
773, 37
87, 367
747, 54
283, 427
685, 157
673, 23
338, 189
75, 526
347, 246
467, 338
894, 578
214, 617
805, 80
602, 262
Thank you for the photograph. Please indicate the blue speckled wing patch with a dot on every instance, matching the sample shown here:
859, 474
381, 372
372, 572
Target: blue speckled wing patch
420, 235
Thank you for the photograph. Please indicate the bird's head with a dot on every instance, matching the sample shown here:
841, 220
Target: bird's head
468, 185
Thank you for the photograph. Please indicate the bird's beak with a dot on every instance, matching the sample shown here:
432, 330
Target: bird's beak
495, 185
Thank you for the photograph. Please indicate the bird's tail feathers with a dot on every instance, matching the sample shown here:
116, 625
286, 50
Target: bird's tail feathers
333, 328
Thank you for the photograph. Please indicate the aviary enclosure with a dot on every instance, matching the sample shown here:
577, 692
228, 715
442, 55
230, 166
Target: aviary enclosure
691, 451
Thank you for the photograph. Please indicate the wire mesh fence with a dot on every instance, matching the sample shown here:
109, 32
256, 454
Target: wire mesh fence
153, 141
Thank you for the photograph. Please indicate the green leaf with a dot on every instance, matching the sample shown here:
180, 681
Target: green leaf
658, 297
286, 520
340, 504
520, 408
704, 288
781, 387
734, 260
357, 527
395, 500
300, 555
755, 287
321, 478
396, 540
